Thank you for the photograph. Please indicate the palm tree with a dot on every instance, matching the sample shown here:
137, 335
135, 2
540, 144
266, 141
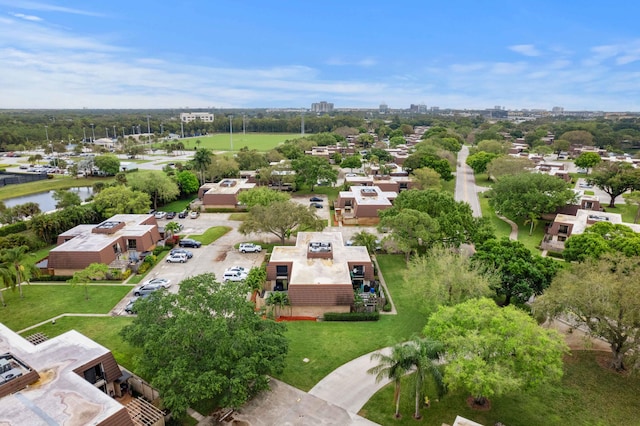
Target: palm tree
370, 241
278, 299
6, 279
201, 161
171, 228
393, 367
426, 354
21, 270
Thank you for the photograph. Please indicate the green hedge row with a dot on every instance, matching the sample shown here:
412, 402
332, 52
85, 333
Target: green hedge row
13, 228
351, 316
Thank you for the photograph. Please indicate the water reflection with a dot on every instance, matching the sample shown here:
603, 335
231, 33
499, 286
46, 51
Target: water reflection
45, 199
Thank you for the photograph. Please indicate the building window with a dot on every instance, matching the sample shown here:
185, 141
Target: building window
563, 229
357, 271
562, 238
281, 285
94, 374
131, 244
588, 205
282, 271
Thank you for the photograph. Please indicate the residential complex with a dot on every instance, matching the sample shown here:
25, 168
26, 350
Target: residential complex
188, 117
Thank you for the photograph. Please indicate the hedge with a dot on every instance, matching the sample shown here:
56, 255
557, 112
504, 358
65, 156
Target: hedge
13, 228
351, 316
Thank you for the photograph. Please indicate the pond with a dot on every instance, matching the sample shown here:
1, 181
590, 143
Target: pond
45, 199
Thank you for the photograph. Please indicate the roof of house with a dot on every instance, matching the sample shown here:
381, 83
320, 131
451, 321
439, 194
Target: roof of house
320, 271
369, 195
60, 396
84, 239
227, 186
582, 217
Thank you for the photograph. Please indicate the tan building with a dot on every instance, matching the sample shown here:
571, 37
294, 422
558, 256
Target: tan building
68, 380
223, 194
112, 242
319, 273
361, 204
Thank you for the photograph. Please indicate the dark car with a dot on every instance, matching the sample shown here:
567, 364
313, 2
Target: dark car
171, 215
315, 199
147, 289
316, 205
188, 242
183, 214
130, 306
188, 253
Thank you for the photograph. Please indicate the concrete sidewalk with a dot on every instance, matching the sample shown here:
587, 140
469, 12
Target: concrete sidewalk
350, 386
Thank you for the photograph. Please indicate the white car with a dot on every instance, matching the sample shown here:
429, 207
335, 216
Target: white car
239, 269
249, 248
177, 258
234, 276
164, 282
160, 215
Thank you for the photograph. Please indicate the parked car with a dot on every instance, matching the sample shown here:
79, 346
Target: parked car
194, 214
585, 185
177, 258
188, 242
239, 269
146, 289
316, 205
315, 199
249, 248
164, 282
160, 215
234, 276
130, 307
171, 215
186, 252
183, 214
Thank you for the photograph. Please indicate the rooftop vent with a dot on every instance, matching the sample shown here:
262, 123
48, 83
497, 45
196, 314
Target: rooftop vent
318, 247
227, 183
368, 192
108, 227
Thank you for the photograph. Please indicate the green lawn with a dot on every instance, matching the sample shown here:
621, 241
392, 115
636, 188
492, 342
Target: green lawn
587, 395
211, 234
60, 182
449, 186
330, 344
532, 242
222, 142
42, 302
104, 330
502, 228
177, 206
628, 211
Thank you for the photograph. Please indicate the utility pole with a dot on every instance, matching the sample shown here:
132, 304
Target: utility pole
93, 132
302, 123
243, 125
148, 130
84, 133
182, 128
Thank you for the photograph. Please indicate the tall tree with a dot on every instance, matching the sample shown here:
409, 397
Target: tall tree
159, 186
494, 351
578, 137
66, 198
281, 218
261, 196
587, 160
21, 269
7, 280
521, 273
368, 240
615, 178
479, 161
121, 200
601, 238
206, 342
393, 366
426, 178
93, 272
310, 170
201, 161
507, 165
188, 182
426, 357
413, 231
445, 277
602, 295
109, 164
523, 196
634, 198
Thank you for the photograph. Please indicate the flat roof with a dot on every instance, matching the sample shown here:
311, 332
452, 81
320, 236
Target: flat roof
375, 197
60, 396
579, 221
320, 271
228, 186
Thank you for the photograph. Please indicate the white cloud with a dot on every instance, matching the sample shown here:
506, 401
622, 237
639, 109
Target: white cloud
362, 62
45, 7
26, 17
525, 49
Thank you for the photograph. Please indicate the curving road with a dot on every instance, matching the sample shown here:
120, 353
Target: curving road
466, 189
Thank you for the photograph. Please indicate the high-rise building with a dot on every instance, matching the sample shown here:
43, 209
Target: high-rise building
187, 117
384, 108
322, 107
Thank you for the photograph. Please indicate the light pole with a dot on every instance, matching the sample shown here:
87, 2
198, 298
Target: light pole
231, 131
107, 130
148, 130
84, 133
115, 135
46, 132
243, 126
93, 132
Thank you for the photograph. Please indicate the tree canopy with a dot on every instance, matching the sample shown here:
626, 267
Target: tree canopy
121, 200
109, 164
601, 238
602, 295
521, 274
187, 182
530, 195
615, 178
205, 342
587, 160
261, 196
420, 159
281, 218
507, 165
426, 178
160, 187
445, 277
479, 161
310, 170
492, 351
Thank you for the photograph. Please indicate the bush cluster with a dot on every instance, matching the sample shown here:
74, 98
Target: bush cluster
351, 316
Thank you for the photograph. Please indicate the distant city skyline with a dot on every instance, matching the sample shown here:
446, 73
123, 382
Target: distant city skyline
356, 54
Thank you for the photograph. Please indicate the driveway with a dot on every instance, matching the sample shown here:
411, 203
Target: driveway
466, 189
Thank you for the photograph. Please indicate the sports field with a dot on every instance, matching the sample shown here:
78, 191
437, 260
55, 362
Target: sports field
222, 141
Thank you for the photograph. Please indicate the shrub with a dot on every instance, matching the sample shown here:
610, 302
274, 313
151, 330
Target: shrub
351, 316
387, 307
13, 228
126, 274
144, 267
45, 278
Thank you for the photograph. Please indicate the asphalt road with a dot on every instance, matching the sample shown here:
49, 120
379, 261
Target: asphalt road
466, 189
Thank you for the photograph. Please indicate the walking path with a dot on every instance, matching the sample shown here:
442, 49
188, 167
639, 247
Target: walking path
54, 319
514, 228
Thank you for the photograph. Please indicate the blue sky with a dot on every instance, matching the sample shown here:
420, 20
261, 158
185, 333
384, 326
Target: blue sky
288, 53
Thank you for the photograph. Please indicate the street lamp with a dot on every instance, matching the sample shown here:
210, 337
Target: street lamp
93, 132
231, 131
84, 133
148, 130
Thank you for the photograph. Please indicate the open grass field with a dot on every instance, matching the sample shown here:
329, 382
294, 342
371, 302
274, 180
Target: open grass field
222, 141
587, 395
330, 344
42, 302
